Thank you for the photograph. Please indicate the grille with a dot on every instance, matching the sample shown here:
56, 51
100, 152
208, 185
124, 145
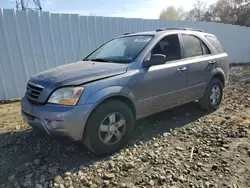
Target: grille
33, 91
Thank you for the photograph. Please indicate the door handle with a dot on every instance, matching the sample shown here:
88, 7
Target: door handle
212, 62
182, 69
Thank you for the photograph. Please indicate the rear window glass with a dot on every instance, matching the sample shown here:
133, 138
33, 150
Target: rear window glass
216, 43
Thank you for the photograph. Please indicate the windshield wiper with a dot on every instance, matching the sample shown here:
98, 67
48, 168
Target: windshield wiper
100, 59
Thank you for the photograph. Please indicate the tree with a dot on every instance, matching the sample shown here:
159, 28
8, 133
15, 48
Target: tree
225, 11
171, 13
232, 12
199, 12
243, 14
208, 16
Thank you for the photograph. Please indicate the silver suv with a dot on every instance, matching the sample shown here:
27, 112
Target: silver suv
98, 99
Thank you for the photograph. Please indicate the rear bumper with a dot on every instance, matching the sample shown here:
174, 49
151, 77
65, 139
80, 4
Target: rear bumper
57, 120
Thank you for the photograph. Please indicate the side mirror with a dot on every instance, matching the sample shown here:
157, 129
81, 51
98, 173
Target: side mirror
156, 59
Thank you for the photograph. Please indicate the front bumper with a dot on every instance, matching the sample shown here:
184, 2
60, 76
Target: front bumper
57, 120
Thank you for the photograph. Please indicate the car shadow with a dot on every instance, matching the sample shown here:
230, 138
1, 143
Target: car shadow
18, 151
165, 121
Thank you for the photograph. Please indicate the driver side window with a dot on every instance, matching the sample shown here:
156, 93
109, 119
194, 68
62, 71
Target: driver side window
168, 46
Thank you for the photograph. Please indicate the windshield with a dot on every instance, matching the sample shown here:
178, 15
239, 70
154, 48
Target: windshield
121, 50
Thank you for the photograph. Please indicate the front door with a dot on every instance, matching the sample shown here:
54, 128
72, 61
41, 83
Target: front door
162, 86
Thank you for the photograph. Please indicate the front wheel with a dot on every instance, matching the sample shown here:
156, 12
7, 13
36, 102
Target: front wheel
109, 127
212, 96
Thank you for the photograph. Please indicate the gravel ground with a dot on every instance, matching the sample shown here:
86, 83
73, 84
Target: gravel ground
183, 147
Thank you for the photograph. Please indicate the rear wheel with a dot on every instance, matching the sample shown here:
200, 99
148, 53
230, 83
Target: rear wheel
212, 96
109, 127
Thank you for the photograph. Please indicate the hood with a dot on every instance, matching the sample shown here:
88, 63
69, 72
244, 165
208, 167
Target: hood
78, 73
75, 74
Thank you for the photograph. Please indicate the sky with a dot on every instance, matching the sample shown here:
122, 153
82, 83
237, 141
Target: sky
148, 9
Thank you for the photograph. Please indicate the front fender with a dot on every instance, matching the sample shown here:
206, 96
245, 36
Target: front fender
112, 91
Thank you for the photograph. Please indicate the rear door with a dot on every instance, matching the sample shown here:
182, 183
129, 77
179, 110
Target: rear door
200, 62
222, 60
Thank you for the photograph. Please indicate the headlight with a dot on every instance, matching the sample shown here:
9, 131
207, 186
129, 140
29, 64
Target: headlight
66, 95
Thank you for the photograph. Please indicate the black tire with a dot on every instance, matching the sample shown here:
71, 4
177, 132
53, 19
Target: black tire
205, 102
91, 137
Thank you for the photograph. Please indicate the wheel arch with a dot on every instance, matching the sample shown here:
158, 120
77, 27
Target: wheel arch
219, 74
122, 94
221, 78
123, 99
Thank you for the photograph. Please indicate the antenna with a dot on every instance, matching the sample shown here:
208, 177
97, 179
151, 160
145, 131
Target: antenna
28, 5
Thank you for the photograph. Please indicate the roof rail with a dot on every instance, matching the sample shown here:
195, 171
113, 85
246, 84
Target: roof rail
127, 33
179, 28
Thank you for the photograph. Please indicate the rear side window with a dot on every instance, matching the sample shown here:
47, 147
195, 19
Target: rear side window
205, 49
192, 46
214, 41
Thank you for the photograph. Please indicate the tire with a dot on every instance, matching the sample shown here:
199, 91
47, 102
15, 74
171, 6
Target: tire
94, 138
205, 102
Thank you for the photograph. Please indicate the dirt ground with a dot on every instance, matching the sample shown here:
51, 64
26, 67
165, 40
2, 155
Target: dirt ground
182, 147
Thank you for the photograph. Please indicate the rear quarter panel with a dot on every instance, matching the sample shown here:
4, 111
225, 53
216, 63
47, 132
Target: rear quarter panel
222, 60
223, 66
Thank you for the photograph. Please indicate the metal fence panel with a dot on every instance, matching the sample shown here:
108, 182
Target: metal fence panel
31, 42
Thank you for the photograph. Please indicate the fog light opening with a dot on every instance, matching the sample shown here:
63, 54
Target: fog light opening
52, 123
